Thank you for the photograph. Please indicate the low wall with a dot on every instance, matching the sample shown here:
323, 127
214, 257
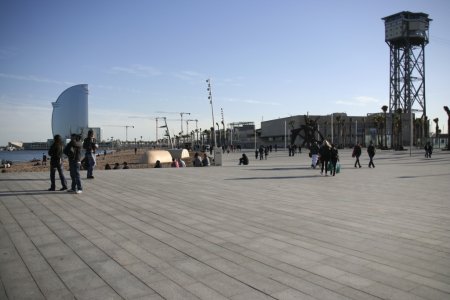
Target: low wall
150, 157
179, 153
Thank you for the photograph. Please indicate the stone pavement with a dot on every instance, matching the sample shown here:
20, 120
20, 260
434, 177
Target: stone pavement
274, 229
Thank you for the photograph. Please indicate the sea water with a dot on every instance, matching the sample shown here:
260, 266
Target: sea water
29, 155
22, 155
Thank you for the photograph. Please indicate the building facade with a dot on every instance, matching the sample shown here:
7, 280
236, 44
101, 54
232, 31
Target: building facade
70, 112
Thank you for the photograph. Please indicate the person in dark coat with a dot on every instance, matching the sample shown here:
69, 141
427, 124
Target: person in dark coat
356, 154
371, 152
243, 160
73, 152
56, 163
324, 153
334, 157
428, 150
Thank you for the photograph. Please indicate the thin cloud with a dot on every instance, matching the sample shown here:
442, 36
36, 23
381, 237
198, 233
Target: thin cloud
359, 101
34, 79
7, 53
136, 70
189, 75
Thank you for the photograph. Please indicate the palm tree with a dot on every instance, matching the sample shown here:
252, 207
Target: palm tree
378, 120
338, 121
384, 108
436, 120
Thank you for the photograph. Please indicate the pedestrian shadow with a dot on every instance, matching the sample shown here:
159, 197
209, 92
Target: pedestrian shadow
274, 177
24, 179
282, 169
30, 192
434, 175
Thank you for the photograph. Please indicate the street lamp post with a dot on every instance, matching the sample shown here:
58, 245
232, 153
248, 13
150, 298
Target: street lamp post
208, 81
447, 110
384, 108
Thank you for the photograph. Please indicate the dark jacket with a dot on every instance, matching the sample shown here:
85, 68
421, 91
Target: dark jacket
55, 152
90, 145
324, 152
314, 149
73, 151
371, 150
334, 155
356, 151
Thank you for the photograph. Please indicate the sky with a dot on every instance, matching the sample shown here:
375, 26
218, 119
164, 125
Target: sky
146, 59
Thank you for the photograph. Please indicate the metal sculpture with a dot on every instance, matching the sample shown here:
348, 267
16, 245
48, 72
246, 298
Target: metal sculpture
307, 132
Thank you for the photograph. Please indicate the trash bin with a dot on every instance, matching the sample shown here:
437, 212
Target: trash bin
217, 156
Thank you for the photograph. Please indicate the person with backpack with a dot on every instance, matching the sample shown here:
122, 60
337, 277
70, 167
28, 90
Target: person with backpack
73, 152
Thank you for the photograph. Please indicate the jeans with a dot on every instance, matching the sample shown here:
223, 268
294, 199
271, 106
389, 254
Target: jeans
91, 163
75, 175
53, 169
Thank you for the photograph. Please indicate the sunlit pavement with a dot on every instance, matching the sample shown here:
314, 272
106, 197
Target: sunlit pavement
275, 229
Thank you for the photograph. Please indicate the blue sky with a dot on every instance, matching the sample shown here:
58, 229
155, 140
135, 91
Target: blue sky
266, 59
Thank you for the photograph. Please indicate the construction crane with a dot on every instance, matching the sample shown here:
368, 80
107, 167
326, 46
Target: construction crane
156, 120
171, 112
191, 120
123, 126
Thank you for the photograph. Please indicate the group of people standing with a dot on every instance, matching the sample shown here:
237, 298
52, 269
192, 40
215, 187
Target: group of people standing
73, 150
327, 155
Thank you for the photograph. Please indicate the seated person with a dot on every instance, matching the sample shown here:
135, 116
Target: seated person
243, 160
205, 160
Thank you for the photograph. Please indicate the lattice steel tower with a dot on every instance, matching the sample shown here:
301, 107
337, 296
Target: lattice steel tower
406, 33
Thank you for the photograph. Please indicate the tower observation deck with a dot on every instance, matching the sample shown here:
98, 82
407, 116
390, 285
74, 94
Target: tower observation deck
406, 33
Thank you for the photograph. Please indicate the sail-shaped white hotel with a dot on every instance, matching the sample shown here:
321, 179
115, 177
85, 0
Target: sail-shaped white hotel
70, 111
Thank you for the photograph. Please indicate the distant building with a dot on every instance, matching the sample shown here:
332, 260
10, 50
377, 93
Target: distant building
390, 130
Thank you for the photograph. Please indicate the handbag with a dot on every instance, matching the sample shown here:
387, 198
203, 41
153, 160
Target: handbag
338, 167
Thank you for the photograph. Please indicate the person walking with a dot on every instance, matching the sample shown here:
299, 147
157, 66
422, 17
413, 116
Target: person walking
261, 152
324, 153
371, 153
428, 150
73, 152
90, 146
356, 154
314, 154
334, 157
56, 163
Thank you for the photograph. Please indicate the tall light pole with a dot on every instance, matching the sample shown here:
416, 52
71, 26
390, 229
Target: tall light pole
223, 125
447, 110
208, 81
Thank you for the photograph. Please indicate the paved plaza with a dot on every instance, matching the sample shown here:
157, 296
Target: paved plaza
275, 229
